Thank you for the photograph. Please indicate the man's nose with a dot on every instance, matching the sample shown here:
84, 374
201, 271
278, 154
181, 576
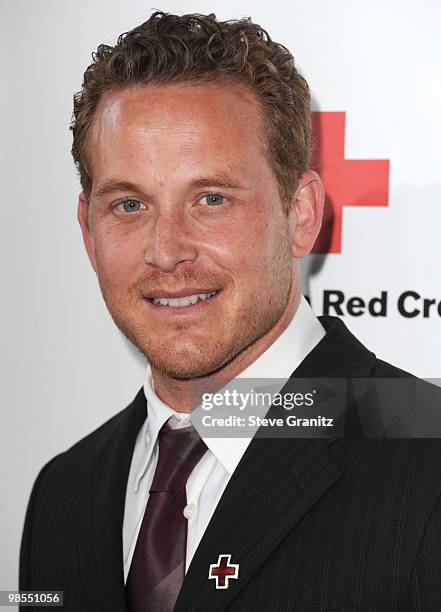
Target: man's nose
169, 242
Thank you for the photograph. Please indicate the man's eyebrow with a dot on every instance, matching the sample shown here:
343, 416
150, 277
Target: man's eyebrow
222, 182
114, 185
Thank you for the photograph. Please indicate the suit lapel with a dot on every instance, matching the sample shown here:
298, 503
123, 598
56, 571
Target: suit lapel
275, 484
101, 510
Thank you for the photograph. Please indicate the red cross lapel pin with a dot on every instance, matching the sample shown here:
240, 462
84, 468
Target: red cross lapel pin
222, 571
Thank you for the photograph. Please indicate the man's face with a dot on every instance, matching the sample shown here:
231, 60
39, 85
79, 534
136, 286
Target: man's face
184, 203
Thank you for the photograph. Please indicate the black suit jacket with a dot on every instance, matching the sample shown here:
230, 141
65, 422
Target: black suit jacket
350, 523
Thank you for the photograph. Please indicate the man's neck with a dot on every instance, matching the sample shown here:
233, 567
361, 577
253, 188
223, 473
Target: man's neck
185, 395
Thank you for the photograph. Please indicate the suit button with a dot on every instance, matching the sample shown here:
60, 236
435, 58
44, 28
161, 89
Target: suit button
189, 511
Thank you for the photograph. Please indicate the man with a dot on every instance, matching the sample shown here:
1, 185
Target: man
192, 140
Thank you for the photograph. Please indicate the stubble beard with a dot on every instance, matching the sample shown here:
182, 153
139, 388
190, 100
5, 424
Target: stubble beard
200, 357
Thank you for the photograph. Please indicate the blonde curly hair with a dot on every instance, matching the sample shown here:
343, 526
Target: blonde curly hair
170, 49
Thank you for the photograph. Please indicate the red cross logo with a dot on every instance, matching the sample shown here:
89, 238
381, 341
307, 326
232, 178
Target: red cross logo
223, 570
348, 182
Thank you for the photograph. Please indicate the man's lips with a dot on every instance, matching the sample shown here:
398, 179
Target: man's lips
180, 304
163, 293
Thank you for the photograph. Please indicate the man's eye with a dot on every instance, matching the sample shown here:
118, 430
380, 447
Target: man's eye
212, 199
130, 206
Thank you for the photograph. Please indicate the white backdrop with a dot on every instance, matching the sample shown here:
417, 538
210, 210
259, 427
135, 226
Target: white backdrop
65, 367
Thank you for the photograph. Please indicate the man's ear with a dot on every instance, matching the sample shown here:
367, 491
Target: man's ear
83, 218
307, 208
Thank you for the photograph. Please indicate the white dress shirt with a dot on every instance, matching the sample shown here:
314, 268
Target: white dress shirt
211, 475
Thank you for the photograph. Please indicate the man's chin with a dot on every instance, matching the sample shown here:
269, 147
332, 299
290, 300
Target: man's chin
186, 367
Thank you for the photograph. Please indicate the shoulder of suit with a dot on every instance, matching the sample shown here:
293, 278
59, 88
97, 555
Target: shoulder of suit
100, 442
425, 389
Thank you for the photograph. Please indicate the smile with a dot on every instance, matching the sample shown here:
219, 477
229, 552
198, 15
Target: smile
180, 302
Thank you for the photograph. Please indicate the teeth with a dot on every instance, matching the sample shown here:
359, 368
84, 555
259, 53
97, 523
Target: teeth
183, 301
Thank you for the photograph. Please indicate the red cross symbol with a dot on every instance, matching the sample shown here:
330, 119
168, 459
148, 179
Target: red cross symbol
348, 182
223, 570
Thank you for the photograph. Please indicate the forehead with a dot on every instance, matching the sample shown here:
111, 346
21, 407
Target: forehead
216, 100
218, 116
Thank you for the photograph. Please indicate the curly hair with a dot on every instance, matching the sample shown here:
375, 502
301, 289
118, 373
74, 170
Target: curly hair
196, 48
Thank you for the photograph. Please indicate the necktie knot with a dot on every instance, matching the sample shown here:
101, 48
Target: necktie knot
158, 564
179, 452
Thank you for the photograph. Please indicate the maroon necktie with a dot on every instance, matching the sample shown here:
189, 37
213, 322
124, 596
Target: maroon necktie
158, 564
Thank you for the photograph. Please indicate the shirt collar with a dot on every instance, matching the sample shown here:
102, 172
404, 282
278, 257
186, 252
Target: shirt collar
157, 414
279, 360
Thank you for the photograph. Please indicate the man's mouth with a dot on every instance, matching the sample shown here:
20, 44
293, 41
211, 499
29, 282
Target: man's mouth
182, 301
